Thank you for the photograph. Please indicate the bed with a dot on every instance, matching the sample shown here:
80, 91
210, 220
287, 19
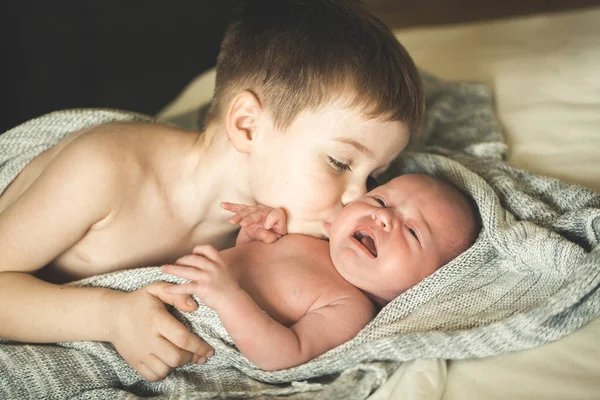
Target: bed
544, 74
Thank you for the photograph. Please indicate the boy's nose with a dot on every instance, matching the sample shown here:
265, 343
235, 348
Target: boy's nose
352, 193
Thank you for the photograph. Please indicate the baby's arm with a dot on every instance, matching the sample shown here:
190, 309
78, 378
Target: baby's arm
264, 341
257, 222
79, 189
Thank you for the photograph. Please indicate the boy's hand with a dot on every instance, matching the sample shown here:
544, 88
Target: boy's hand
152, 340
211, 279
258, 222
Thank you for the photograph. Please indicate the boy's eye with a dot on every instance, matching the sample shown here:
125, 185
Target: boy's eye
380, 201
338, 165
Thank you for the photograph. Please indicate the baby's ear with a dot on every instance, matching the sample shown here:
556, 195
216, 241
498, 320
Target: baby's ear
242, 119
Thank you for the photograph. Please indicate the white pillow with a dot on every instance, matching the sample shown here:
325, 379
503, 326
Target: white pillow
545, 75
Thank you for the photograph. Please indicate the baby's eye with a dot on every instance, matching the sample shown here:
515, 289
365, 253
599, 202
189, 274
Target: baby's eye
338, 165
380, 201
413, 232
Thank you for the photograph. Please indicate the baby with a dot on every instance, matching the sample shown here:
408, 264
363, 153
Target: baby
380, 245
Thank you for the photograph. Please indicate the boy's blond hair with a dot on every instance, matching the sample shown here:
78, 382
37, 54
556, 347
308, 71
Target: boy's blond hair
302, 55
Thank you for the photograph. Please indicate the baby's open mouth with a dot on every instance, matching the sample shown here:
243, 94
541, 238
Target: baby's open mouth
366, 240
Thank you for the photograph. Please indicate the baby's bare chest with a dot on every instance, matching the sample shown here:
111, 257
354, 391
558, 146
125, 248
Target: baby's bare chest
288, 287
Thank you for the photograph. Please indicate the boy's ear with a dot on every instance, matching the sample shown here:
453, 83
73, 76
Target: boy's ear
241, 120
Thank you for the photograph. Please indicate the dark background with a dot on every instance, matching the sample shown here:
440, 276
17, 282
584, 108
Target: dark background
138, 55
133, 55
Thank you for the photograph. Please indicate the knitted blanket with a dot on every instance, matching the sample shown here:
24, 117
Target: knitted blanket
531, 277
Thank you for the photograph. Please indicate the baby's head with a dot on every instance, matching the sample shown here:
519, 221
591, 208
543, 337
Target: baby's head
399, 233
300, 84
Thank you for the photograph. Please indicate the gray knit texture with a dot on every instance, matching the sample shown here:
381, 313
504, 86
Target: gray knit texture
531, 277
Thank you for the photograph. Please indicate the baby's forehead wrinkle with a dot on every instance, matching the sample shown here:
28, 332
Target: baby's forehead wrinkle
357, 145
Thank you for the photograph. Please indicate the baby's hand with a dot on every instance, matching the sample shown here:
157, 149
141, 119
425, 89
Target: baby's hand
211, 279
148, 337
258, 222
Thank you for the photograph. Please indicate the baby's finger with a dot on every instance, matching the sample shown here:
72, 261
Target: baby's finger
190, 273
268, 236
240, 211
246, 211
251, 219
276, 220
233, 207
194, 260
182, 289
235, 219
209, 252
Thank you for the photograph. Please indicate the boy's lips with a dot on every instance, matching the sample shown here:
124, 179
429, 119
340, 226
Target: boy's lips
366, 241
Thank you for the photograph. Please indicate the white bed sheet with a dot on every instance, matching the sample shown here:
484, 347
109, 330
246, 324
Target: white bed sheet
545, 74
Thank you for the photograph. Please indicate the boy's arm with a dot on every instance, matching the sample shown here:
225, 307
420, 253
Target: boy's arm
67, 199
262, 340
257, 222
77, 190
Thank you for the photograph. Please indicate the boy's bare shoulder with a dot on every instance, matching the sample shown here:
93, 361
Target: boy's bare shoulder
111, 155
125, 147
128, 136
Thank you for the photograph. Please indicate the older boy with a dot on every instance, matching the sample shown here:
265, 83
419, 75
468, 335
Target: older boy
380, 245
311, 99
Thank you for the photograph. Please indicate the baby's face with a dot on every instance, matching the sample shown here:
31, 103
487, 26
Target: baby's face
397, 234
321, 162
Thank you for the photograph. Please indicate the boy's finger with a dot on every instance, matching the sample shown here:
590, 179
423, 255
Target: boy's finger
157, 368
180, 297
170, 354
146, 372
181, 337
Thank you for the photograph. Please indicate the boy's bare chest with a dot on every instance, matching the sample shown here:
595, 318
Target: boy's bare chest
143, 233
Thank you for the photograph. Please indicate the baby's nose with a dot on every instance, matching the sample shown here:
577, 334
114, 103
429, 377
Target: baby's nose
382, 217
